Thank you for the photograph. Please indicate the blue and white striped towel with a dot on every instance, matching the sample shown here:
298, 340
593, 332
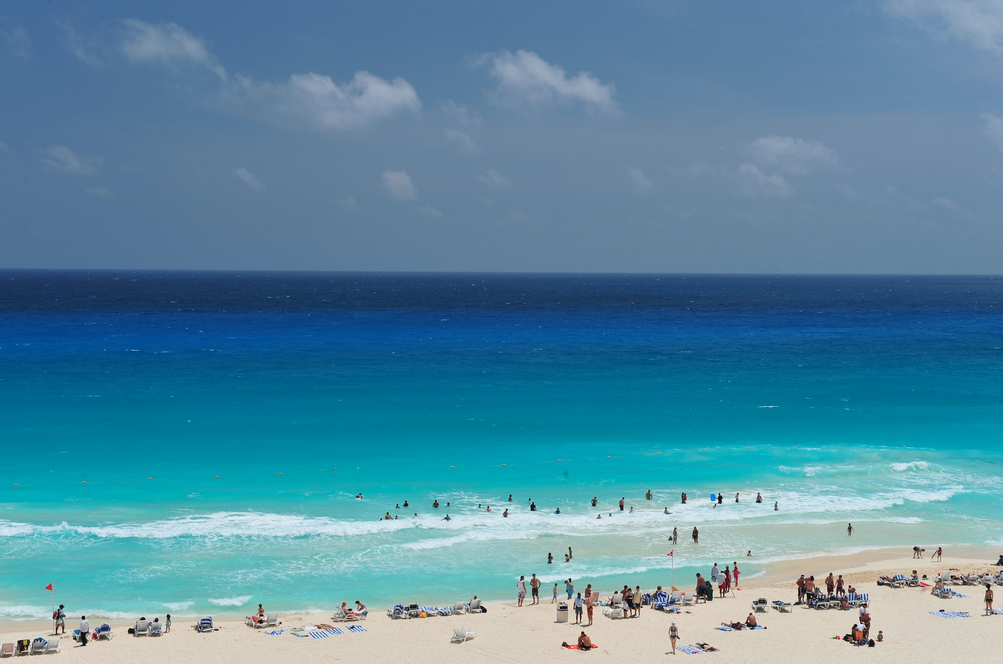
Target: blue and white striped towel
690, 650
319, 634
333, 631
356, 628
277, 632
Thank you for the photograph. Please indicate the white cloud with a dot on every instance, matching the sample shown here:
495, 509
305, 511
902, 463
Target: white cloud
758, 183
463, 142
792, 155
459, 113
994, 127
326, 105
248, 178
639, 179
945, 203
3, 146
347, 203
977, 22
167, 44
100, 192
430, 211
399, 186
18, 43
74, 43
62, 158
526, 77
494, 179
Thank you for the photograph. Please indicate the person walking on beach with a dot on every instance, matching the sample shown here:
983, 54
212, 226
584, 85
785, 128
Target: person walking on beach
696, 535
989, 600
579, 605
60, 620
849, 529
520, 586
534, 583
673, 636
570, 588
85, 630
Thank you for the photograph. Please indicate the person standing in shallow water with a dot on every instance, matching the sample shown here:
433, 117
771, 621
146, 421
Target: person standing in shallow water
849, 529
696, 535
621, 504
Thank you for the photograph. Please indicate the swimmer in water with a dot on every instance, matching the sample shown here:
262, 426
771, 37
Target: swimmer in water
594, 501
397, 506
405, 503
505, 513
387, 517
598, 516
759, 497
776, 506
510, 497
666, 511
435, 503
446, 518
488, 509
557, 511
359, 496
631, 510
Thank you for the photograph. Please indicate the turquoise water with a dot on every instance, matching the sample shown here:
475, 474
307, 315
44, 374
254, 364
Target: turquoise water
193, 443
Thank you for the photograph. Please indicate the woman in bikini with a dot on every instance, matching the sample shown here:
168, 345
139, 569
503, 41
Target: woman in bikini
673, 637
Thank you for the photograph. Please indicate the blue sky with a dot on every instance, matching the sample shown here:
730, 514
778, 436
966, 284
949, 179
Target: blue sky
677, 136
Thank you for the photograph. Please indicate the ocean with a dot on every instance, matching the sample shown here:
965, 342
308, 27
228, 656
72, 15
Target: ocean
193, 443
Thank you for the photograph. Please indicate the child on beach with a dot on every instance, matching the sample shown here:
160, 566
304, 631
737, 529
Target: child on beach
989, 600
554, 598
167, 624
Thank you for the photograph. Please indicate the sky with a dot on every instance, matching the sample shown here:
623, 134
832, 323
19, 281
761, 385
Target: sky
636, 136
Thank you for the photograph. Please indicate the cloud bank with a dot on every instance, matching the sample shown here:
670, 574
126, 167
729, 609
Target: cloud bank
526, 78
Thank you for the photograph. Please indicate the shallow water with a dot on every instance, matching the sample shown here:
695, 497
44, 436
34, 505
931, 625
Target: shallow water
874, 400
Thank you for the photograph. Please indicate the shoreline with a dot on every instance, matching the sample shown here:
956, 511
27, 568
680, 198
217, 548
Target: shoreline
860, 567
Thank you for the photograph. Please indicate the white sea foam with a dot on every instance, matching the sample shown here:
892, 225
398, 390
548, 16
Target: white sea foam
914, 465
25, 612
179, 606
230, 601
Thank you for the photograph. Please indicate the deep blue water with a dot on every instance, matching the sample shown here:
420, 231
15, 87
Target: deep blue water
872, 399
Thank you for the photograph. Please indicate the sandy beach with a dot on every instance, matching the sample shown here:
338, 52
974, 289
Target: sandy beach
530, 634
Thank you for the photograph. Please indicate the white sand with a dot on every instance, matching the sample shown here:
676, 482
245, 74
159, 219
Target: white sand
530, 634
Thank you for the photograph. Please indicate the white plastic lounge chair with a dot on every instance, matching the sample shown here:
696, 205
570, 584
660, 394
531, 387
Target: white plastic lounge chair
676, 596
205, 624
7, 650
104, 632
53, 646
897, 581
156, 629
459, 607
688, 599
38, 646
613, 612
339, 615
461, 635
782, 606
271, 621
142, 628
475, 606
761, 605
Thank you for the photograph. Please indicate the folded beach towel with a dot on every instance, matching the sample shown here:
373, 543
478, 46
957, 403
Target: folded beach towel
356, 628
690, 650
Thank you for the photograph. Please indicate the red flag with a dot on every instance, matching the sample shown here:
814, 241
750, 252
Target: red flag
670, 553
48, 587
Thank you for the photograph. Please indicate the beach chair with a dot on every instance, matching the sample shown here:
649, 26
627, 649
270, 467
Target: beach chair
104, 632
461, 635
459, 607
688, 600
204, 625
341, 616
897, 581
271, 621
398, 612
7, 650
52, 647
38, 646
24, 645
142, 628
474, 606
782, 606
413, 611
676, 597
613, 612
761, 606
156, 629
